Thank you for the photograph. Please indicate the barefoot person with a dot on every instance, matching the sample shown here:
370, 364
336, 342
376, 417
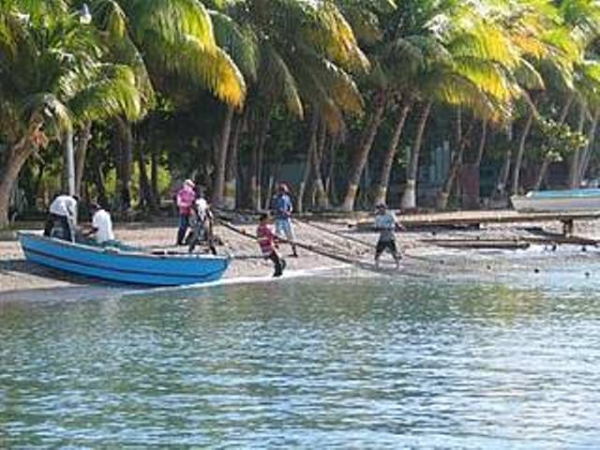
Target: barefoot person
386, 224
283, 207
268, 244
62, 216
185, 202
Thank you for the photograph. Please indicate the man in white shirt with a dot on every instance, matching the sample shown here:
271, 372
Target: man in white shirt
62, 214
102, 226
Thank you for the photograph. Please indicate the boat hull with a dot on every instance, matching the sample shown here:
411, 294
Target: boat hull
558, 201
122, 266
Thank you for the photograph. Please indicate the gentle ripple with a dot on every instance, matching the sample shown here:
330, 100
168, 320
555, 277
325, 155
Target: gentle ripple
322, 363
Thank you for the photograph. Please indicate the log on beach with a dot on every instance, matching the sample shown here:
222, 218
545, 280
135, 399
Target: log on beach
479, 244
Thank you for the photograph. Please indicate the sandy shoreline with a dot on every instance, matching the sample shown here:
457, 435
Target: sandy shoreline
20, 279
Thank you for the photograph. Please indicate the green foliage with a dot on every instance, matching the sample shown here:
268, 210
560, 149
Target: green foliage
559, 141
171, 68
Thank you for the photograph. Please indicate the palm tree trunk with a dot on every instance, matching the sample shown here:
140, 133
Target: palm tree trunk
145, 189
455, 164
409, 198
459, 130
256, 160
154, 179
585, 159
260, 169
520, 153
125, 160
251, 180
541, 174
38, 179
481, 150
221, 158
482, 142
269, 192
100, 184
322, 202
364, 149
80, 152
546, 162
576, 156
9, 173
504, 172
330, 181
312, 148
229, 190
390, 155
565, 109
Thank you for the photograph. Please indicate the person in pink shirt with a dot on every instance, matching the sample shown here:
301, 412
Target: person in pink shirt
185, 202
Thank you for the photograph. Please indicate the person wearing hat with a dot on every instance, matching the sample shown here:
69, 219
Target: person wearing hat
185, 202
386, 224
282, 210
62, 215
102, 227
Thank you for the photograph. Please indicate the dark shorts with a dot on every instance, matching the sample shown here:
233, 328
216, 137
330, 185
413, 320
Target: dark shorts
382, 245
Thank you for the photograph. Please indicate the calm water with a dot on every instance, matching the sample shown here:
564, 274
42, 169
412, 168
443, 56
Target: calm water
325, 363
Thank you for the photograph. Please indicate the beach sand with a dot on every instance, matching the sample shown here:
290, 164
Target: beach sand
20, 279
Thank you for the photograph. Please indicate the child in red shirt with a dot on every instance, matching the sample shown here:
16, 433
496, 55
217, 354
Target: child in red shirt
268, 244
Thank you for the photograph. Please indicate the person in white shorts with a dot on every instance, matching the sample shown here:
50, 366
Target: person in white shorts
282, 210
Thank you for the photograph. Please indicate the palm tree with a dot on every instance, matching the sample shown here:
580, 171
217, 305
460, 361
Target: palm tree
462, 65
146, 35
547, 37
51, 76
305, 53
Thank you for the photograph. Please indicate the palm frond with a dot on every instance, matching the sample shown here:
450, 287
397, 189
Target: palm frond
484, 41
583, 17
46, 109
171, 19
110, 18
113, 93
487, 75
456, 90
239, 42
208, 68
332, 34
278, 81
528, 76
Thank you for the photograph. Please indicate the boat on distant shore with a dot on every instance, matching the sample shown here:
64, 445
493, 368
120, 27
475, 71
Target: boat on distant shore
123, 265
558, 201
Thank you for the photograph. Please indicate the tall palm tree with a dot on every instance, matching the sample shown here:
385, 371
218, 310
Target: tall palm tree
545, 40
52, 75
306, 52
462, 65
147, 35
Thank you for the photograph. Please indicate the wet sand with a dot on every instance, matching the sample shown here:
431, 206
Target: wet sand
20, 279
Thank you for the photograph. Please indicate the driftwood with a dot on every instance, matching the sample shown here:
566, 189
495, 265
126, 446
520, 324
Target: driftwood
506, 244
511, 244
474, 219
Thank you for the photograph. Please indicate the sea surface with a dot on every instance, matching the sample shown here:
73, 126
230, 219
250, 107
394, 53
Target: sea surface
320, 362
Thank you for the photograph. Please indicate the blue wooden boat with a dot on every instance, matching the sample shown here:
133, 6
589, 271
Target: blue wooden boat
123, 266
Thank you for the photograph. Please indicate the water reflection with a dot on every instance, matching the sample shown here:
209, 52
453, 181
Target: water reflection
362, 363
